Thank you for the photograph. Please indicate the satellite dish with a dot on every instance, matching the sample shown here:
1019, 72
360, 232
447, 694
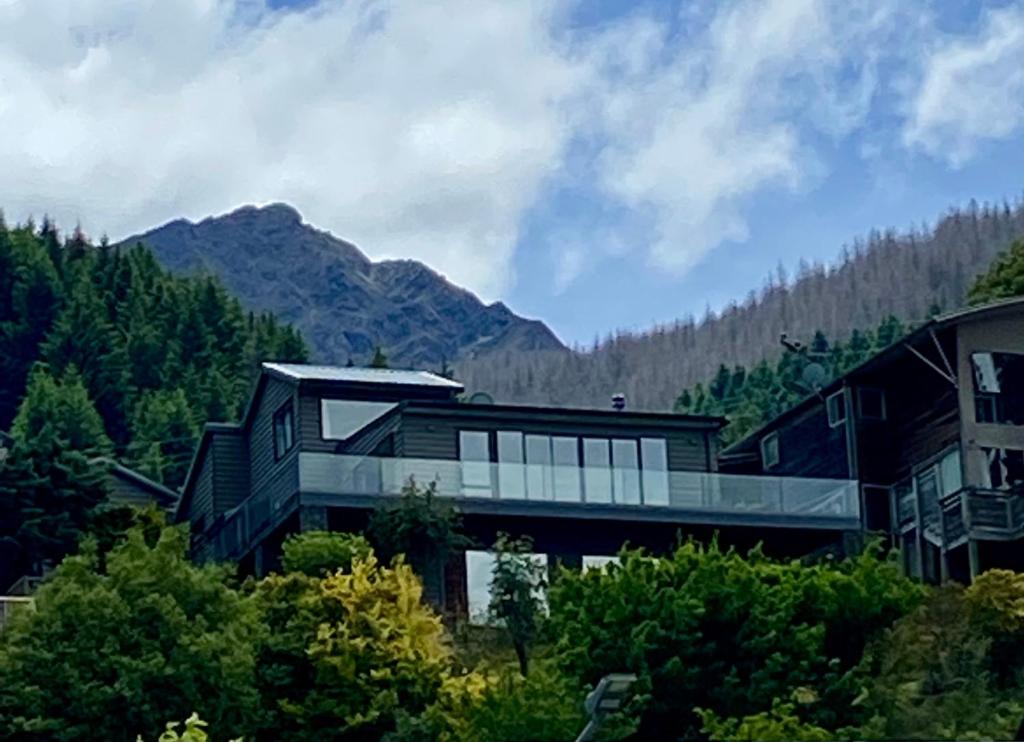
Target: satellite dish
814, 375
481, 398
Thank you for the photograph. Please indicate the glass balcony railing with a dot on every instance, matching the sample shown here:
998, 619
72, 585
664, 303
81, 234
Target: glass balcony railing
605, 486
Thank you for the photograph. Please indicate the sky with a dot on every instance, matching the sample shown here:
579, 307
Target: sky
598, 164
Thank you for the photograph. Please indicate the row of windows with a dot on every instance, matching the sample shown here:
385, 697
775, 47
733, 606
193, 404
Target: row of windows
547, 467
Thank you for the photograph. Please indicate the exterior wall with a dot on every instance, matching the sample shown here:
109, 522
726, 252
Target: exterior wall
1005, 334
436, 436
123, 491
230, 469
808, 447
202, 495
267, 476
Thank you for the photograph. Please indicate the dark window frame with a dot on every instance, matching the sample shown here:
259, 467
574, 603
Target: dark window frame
284, 414
765, 440
881, 400
833, 421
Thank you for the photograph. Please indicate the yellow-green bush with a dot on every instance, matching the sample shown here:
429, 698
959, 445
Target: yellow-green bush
346, 656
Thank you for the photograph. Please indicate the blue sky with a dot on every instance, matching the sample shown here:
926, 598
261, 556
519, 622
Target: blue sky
598, 164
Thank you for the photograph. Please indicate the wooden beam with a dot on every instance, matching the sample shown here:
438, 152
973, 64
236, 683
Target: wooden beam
931, 365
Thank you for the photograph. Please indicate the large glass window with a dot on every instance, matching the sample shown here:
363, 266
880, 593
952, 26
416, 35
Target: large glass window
479, 573
566, 457
538, 467
949, 472
999, 388
626, 471
597, 472
284, 430
340, 419
654, 455
475, 454
510, 465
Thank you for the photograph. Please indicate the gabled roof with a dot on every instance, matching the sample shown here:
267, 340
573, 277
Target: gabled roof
358, 375
164, 496
876, 362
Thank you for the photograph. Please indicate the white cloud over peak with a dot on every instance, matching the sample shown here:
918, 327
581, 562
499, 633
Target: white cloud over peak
428, 130
971, 89
415, 129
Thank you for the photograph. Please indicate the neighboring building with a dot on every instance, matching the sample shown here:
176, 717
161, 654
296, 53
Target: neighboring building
320, 447
128, 487
933, 430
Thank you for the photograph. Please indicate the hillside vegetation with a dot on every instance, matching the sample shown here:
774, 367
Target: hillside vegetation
908, 275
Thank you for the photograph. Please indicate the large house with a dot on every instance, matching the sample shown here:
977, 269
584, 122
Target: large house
932, 428
320, 447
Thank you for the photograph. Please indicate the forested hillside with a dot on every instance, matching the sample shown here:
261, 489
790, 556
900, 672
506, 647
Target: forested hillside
904, 274
157, 354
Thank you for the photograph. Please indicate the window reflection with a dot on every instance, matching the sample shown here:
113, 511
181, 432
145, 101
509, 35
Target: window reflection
510, 465
998, 388
475, 453
597, 473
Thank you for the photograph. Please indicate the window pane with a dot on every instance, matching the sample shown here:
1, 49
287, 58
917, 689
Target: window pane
475, 453
538, 467
626, 472
566, 458
343, 418
597, 473
654, 455
999, 387
510, 465
949, 470
479, 568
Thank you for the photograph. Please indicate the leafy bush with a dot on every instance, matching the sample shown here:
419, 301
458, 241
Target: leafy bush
542, 707
781, 724
320, 553
346, 656
115, 652
729, 634
928, 678
195, 731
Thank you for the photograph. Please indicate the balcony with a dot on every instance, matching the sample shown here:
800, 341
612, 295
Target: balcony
551, 491
970, 512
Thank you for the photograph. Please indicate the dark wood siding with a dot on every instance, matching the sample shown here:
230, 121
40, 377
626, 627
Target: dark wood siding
124, 491
808, 447
230, 470
265, 474
202, 496
922, 420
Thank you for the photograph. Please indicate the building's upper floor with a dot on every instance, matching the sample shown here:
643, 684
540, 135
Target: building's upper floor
942, 409
354, 434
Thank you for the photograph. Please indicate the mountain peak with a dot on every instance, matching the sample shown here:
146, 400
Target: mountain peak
345, 304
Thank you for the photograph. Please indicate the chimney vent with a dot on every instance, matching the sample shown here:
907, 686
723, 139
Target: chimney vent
619, 402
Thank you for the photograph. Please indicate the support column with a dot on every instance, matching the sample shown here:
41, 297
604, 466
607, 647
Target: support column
312, 518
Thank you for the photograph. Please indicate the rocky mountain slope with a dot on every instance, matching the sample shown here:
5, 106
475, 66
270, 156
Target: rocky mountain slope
344, 303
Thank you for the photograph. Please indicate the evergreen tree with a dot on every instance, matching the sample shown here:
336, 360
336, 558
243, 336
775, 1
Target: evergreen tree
1004, 280
163, 432
379, 360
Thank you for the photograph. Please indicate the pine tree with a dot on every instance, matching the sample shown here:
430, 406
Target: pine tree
163, 434
379, 360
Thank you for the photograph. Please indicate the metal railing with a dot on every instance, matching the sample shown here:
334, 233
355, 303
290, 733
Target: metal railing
11, 604
626, 488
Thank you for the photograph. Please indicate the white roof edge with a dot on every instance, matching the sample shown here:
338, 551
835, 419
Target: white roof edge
358, 375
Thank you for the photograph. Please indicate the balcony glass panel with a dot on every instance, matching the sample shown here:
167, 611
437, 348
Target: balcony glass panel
597, 472
655, 470
626, 471
475, 453
510, 465
538, 467
566, 470
327, 473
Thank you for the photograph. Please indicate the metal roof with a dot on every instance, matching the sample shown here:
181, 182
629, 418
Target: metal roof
356, 375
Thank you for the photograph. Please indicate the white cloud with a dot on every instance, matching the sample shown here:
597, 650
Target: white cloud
971, 89
428, 129
416, 129
705, 122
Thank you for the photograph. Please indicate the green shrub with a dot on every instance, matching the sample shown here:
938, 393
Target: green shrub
320, 553
346, 656
710, 629
109, 654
